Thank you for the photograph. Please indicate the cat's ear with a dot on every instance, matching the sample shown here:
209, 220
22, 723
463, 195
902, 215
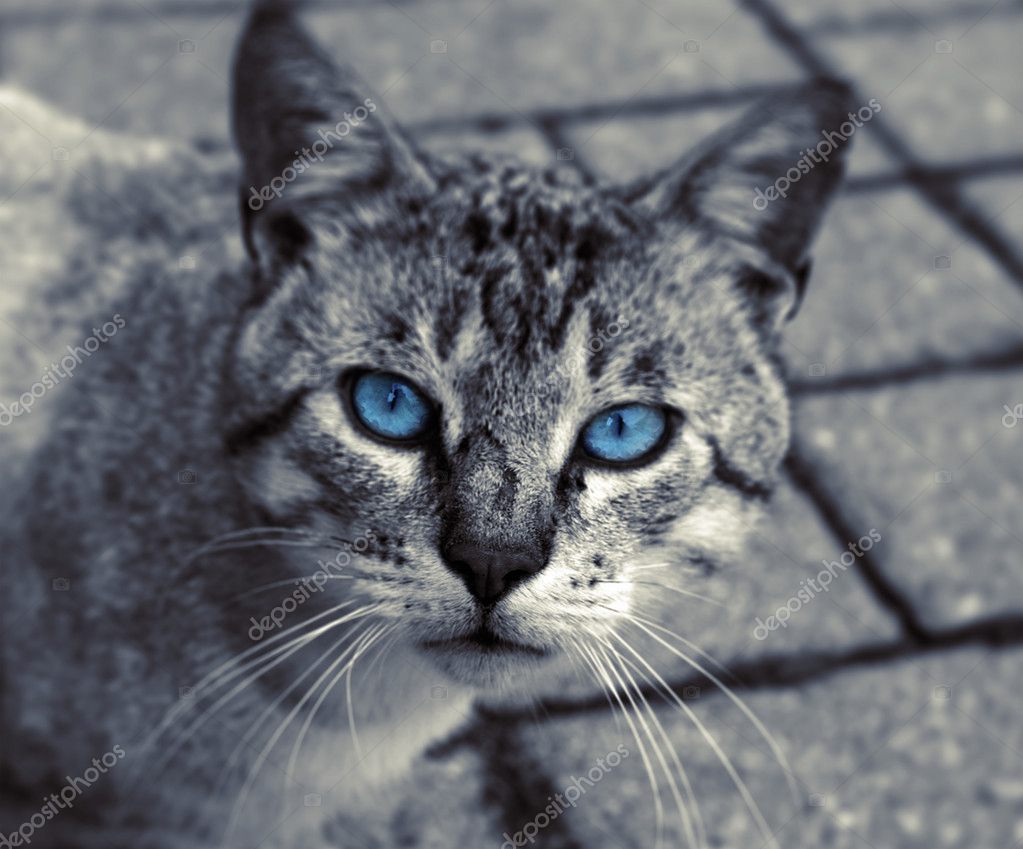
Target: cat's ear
765, 181
308, 131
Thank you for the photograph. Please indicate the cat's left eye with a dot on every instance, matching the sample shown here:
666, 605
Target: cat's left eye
625, 434
391, 407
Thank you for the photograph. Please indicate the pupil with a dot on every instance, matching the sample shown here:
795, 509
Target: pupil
392, 396
617, 424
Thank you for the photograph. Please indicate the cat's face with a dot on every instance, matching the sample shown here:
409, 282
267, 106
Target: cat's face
441, 357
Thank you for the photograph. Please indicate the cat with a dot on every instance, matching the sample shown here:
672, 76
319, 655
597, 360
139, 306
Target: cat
442, 406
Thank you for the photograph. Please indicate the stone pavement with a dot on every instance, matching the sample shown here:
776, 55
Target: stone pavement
895, 695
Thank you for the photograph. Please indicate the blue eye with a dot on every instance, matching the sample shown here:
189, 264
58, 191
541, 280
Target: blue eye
389, 406
624, 434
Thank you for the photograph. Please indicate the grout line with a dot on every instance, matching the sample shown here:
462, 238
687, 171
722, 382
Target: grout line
897, 20
558, 141
774, 672
885, 593
946, 200
495, 123
519, 792
987, 363
1009, 164
637, 107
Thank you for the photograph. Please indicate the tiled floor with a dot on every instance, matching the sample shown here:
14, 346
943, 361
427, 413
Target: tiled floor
895, 695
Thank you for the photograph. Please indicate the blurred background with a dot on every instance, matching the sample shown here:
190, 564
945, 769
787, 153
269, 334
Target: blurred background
894, 692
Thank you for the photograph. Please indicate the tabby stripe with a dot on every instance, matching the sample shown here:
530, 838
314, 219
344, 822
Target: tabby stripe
251, 433
735, 478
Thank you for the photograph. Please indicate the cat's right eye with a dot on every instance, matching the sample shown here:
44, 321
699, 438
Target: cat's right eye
626, 434
391, 407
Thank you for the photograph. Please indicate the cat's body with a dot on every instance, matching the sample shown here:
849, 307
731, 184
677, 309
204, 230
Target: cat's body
216, 407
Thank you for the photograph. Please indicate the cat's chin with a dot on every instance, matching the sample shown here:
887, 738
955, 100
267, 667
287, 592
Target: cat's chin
484, 660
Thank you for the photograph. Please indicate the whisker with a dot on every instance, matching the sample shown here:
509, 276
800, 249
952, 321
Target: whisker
288, 650
289, 582
249, 532
264, 753
574, 646
678, 590
646, 566
275, 704
368, 639
239, 665
256, 543
651, 776
701, 833
687, 823
776, 751
733, 774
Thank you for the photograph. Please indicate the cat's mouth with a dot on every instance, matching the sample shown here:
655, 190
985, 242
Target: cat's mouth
483, 640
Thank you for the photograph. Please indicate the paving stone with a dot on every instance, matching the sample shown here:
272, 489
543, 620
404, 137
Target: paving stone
949, 98
947, 18
922, 752
426, 60
881, 295
442, 806
137, 75
935, 469
506, 60
523, 143
1001, 199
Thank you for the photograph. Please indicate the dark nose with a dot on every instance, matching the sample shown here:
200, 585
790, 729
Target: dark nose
489, 573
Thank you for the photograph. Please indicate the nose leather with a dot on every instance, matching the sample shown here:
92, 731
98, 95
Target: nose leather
489, 573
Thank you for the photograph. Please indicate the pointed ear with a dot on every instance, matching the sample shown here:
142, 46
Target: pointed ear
765, 182
307, 129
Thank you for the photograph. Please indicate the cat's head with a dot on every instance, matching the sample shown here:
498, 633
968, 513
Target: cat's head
509, 389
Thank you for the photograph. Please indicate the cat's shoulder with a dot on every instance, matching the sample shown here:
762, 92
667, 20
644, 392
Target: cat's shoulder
82, 211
